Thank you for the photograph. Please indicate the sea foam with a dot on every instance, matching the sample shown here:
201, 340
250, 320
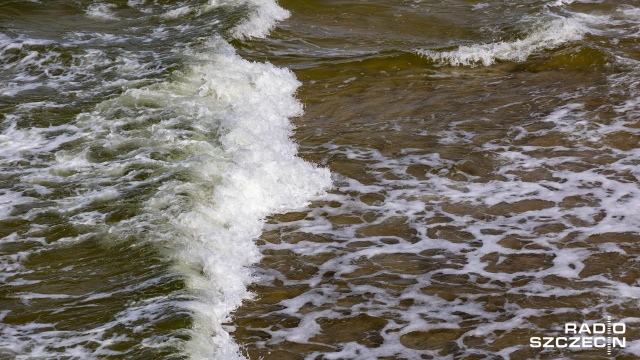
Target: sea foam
200, 155
548, 36
261, 175
240, 165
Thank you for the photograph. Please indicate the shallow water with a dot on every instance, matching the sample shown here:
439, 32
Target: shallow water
132, 138
483, 161
485, 179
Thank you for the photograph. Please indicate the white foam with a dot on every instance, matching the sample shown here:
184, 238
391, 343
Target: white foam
101, 11
607, 203
547, 36
15, 142
569, 2
179, 12
227, 122
631, 13
262, 18
265, 15
238, 158
263, 176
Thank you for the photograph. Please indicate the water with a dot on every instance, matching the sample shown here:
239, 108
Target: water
464, 176
140, 155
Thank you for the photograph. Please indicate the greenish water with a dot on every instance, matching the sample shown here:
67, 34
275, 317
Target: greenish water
163, 195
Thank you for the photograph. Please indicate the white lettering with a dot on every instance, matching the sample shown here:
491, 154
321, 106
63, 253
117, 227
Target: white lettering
584, 328
534, 342
583, 341
600, 342
618, 343
563, 344
599, 328
574, 343
619, 328
549, 341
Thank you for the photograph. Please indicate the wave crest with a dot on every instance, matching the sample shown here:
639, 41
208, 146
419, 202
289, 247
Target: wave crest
554, 34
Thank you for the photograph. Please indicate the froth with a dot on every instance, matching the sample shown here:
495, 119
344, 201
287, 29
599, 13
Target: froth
265, 15
517, 231
236, 162
101, 11
199, 157
547, 36
262, 176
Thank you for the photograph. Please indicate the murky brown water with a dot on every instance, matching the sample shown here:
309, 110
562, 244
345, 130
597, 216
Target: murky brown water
474, 207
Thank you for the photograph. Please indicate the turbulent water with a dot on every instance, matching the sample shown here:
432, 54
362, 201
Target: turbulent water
322, 179
140, 155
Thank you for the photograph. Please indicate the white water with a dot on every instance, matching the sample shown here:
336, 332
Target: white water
544, 36
563, 183
216, 134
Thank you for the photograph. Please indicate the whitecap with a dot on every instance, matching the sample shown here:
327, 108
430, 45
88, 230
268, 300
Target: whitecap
548, 36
